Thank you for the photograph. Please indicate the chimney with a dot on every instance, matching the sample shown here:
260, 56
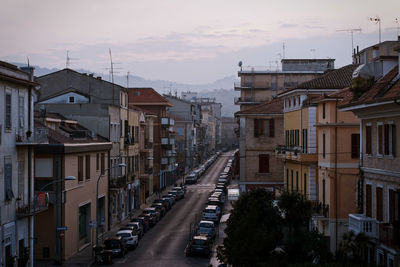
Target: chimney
28, 70
91, 75
98, 77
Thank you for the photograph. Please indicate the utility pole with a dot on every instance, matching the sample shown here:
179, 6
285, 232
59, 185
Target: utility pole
352, 31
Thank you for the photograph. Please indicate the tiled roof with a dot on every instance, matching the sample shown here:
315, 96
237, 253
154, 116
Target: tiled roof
334, 79
344, 96
132, 106
274, 106
146, 96
387, 88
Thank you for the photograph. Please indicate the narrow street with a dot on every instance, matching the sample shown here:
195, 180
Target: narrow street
164, 244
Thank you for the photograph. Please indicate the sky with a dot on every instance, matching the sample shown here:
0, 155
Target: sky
187, 41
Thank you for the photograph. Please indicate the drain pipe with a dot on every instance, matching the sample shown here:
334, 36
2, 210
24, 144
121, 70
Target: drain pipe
336, 177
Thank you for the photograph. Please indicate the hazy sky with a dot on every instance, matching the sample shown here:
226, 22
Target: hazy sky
190, 41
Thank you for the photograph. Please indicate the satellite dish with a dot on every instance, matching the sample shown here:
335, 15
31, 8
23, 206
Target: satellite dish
240, 63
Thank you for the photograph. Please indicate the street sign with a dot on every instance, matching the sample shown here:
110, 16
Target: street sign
62, 228
62, 234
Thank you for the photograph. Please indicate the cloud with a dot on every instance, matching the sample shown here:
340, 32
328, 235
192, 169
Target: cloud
288, 25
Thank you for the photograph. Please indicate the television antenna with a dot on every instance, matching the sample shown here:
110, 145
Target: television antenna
68, 60
377, 20
352, 31
397, 21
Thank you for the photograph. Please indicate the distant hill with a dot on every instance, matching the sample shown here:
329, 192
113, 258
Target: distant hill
221, 90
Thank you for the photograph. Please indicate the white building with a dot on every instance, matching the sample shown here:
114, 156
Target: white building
16, 179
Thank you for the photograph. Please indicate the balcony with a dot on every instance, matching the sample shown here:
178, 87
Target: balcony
247, 101
389, 235
246, 85
359, 223
26, 210
167, 122
320, 210
295, 154
40, 136
146, 148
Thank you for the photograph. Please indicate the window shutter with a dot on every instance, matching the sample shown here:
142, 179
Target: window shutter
8, 181
263, 163
256, 128
394, 140
368, 138
355, 145
379, 204
368, 204
271, 128
386, 139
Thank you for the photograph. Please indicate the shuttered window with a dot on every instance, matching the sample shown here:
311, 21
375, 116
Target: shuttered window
7, 113
368, 200
87, 167
380, 139
368, 140
355, 145
323, 145
379, 204
8, 192
80, 168
263, 163
264, 127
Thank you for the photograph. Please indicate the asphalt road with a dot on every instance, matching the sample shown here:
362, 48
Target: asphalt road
164, 244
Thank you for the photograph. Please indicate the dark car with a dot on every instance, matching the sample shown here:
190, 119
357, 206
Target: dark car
164, 202
146, 219
159, 207
151, 218
116, 244
175, 194
171, 197
191, 179
214, 201
143, 222
154, 212
199, 245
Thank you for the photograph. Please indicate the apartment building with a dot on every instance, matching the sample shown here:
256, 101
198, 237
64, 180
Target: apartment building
101, 107
66, 224
338, 135
260, 84
299, 151
261, 130
17, 91
163, 139
377, 105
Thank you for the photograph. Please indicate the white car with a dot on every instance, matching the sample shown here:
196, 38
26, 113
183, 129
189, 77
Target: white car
131, 240
211, 213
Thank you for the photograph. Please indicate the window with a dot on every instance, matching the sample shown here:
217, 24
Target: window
355, 145
323, 192
368, 200
97, 161
21, 111
180, 130
8, 112
80, 168
287, 179
323, 110
263, 127
305, 184
137, 134
291, 137
297, 181
8, 192
296, 137
71, 99
291, 180
368, 140
287, 138
394, 206
103, 166
136, 162
390, 139
379, 137
379, 204
87, 167
323, 145
263, 163
304, 137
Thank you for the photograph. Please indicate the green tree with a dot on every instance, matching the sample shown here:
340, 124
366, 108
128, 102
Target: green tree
299, 243
253, 230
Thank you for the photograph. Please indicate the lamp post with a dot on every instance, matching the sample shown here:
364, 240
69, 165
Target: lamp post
97, 196
68, 178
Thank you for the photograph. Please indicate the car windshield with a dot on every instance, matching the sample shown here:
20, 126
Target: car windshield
124, 234
205, 225
111, 243
210, 210
191, 176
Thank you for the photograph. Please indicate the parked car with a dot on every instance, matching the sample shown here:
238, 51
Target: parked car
138, 227
164, 202
199, 245
191, 179
180, 191
160, 208
132, 241
207, 228
214, 201
171, 196
154, 212
212, 213
150, 218
143, 222
116, 244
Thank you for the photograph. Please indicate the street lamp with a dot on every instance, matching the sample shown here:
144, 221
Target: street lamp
68, 178
97, 200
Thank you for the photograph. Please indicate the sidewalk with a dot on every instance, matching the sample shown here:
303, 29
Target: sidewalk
84, 258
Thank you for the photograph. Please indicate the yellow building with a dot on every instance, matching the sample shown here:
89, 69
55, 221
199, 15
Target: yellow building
338, 135
307, 166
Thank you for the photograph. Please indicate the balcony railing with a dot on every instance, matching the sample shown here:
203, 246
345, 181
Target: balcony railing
40, 136
167, 122
295, 153
321, 209
42, 204
359, 223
